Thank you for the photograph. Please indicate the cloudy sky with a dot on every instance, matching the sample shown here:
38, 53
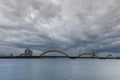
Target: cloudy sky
69, 25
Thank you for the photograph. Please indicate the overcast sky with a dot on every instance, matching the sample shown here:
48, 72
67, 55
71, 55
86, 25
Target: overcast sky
69, 25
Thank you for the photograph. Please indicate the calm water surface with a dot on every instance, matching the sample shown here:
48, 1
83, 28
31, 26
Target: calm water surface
59, 69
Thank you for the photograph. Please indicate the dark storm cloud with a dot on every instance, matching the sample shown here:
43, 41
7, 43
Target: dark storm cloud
68, 25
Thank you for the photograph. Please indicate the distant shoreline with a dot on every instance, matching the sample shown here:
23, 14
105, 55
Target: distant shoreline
41, 57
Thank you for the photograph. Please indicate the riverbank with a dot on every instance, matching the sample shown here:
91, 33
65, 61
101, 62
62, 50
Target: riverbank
40, 57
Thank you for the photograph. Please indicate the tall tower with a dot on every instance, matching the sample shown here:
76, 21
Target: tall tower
28, 52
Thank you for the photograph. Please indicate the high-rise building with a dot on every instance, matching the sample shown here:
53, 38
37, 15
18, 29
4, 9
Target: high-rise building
27, 52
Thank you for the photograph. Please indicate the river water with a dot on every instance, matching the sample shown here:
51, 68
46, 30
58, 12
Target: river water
59, 69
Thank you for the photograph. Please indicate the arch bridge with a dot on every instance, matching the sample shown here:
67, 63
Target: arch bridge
57, 51
90, 54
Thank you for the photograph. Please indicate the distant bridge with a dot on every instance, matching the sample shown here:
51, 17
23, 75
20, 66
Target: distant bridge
50, 51
91, 55
64, 55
